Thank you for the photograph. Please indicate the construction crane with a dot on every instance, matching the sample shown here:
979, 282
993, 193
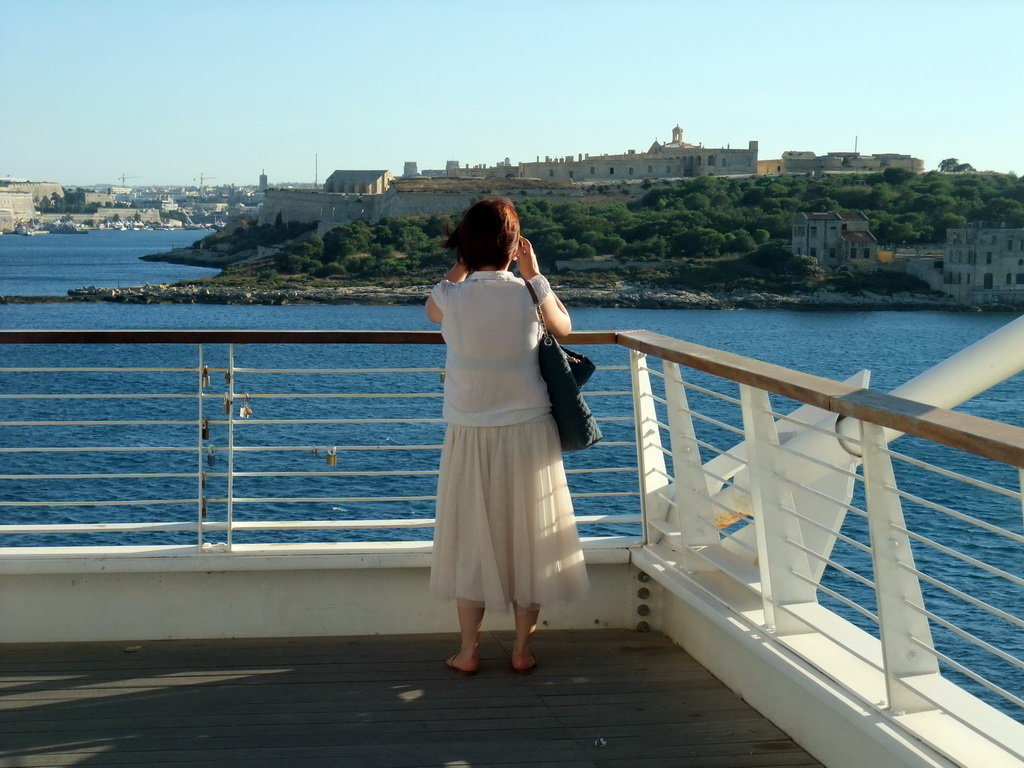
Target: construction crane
201, 178
122, 177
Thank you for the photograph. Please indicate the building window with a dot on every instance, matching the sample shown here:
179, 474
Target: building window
630, 171
711, 160
611, 171
571, 174
592, 171
831, 253
988, 279
1009, 278
1020, 278
814, 252
1009, 245
814, 231
968, 278
867, 253
723, 162
650, 169
551, 172
988, 257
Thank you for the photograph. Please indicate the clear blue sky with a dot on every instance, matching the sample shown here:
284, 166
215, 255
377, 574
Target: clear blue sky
164, 92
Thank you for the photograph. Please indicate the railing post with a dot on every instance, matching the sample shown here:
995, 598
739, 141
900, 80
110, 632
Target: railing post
201, 450
783, 564
1020, 490
692, 512
650, 458
903, 627
231, 444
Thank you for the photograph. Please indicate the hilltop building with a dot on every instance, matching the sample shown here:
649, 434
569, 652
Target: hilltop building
673, 159
983, 263
359, 182
835, 239
500, 170
838, 162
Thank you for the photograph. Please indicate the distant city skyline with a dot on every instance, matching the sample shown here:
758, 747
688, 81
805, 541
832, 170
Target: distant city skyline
164, 95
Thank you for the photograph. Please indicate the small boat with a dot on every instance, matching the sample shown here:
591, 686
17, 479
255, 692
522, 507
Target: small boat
69, 228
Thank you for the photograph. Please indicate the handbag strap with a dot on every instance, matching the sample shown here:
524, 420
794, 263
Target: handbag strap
546, 337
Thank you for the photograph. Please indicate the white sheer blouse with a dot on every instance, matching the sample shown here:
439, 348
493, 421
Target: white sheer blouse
491, 330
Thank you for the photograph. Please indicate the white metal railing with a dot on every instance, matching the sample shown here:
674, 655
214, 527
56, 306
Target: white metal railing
908, 563
224, 447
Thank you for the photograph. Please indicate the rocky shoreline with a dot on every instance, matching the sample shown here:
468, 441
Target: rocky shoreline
638, 297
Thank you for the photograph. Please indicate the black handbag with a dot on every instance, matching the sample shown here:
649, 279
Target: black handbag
565, 372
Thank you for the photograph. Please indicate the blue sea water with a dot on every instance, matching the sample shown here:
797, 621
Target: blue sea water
50, 265
895, 346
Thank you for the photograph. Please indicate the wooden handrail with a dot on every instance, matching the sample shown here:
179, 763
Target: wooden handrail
973, 434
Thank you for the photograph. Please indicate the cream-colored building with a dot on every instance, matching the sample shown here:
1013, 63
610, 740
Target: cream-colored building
503, 169
673, 159
359, 182
983, 263
843, 162
835, 239
99, 198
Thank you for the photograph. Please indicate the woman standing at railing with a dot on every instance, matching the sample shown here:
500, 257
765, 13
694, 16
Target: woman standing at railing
505, 535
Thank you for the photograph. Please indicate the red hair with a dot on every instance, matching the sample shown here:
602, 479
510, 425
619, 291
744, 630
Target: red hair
487, 235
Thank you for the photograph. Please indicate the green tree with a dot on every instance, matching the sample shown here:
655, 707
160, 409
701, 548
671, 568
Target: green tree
897, 176
952, 165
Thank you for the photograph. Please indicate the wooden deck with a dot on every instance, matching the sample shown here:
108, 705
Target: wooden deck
602, 698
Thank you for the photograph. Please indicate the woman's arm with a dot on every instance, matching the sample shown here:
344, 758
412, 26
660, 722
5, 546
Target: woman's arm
556, 316
456, 274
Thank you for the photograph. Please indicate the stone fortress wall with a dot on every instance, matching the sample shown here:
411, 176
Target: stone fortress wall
18, 201
846, 162
16, 205
404, 197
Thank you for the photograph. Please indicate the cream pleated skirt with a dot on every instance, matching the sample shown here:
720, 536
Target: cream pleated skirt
505, 534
